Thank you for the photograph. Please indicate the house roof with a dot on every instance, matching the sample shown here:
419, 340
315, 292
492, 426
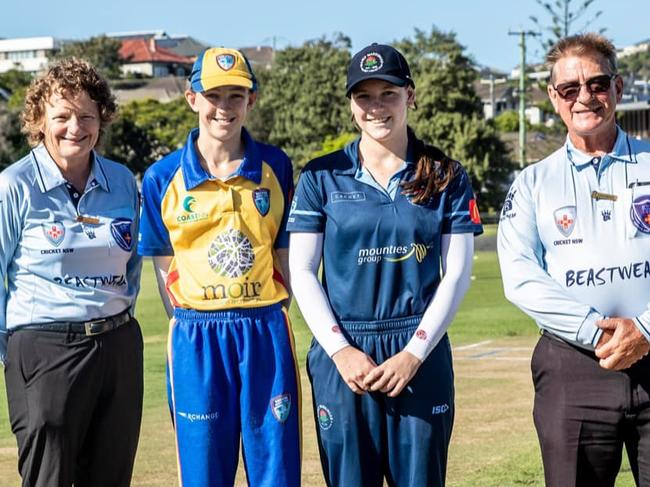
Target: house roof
146, 51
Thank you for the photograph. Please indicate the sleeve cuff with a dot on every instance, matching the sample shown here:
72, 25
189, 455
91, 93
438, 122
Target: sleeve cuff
334, 345
643, 324
588, 333
418, 348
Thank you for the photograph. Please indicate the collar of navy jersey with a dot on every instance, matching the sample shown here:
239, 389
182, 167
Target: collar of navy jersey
49, 175
620, 152
194, 174
352, 151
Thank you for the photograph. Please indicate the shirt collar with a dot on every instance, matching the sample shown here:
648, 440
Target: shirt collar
194, 174
352, 152
49, 175
621, 151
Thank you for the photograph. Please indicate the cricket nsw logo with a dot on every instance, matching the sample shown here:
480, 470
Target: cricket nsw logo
54, 232
565, 219
231, 254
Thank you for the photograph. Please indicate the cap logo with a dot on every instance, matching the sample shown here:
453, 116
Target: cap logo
226, 61
371, 62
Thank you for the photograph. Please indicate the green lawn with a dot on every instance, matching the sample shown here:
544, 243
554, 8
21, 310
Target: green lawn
494, 443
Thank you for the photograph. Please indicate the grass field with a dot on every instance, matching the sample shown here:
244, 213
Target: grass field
493, 444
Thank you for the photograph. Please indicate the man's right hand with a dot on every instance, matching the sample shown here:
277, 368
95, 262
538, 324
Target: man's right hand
353, 365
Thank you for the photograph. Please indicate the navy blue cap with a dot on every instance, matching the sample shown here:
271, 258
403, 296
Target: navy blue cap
378, 61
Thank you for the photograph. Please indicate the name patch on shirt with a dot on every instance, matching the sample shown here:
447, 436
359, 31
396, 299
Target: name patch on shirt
340, 196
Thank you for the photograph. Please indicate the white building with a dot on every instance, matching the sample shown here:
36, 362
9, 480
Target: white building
26, 54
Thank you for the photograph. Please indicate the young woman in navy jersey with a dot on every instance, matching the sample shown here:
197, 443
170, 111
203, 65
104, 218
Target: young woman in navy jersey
384, 215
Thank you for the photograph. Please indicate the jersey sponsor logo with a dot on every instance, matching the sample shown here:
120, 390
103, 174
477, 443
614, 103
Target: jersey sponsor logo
325, 417
565, 219
54, 232
393, 253
192, 417
440, 409
231, 254
280, 407
607, 275
262, 200
226, 61
421, 334
371, 62
191, 215
506, 211
607, 215
640, 213
92, 282
474, 214
351, 196
121, 231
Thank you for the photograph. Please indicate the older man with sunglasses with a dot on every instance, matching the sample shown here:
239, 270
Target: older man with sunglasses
574, 249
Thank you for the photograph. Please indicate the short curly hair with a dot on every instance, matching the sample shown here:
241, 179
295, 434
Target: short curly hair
68, 77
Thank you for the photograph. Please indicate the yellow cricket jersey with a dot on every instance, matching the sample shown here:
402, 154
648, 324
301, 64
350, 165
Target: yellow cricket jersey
222, 234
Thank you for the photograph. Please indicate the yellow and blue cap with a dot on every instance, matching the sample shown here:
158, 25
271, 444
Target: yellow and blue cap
219, 66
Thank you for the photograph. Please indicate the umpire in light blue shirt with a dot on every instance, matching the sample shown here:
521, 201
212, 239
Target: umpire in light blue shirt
574, 249
71, 348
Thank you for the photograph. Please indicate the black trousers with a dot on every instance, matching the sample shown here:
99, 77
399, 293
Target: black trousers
75, 405
584, 415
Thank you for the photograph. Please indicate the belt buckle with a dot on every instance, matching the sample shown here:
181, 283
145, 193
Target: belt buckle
88, 326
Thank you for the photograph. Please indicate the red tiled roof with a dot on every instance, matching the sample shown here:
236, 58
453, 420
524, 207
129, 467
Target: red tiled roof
145, 50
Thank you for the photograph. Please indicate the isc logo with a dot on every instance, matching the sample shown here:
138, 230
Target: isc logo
440, 409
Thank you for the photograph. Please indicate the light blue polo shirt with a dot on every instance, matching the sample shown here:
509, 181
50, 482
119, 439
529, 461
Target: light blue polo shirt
574, 240
381, 252
61, 262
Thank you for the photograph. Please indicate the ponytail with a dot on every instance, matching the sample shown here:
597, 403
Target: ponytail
433, 171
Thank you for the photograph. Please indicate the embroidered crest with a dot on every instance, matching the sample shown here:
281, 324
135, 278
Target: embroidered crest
54, 232
607, 215
262, 200
371, 62
281, 406
325, 418
640, 213
565, 219
421, 334
226, 61
121, 231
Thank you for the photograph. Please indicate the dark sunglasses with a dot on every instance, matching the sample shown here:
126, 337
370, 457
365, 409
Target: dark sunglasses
597, 84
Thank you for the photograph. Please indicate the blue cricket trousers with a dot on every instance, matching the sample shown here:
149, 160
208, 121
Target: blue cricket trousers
233, 374
366, 438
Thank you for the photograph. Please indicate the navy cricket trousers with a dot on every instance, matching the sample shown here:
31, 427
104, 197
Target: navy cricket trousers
364, 439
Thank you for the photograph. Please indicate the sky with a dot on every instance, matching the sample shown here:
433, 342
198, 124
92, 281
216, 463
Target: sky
481, 26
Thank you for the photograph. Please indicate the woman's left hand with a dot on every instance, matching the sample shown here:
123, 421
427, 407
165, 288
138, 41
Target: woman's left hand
393, 374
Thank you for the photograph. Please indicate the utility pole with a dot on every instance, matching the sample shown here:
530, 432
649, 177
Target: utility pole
522, 93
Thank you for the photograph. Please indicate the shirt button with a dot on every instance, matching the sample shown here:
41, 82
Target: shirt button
76, 195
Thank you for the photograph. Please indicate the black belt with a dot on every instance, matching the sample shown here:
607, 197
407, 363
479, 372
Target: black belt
89, 328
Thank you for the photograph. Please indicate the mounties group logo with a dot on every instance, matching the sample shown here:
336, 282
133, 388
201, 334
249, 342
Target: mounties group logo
506, 211
281, 407
393, 253
54, 232
371, 62
325, 418
231, 254
640, 213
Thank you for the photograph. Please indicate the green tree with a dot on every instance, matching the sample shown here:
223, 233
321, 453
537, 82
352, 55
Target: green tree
305, 96
636, 65
563, 16
13, 144
449, 112
102, 52
146, 130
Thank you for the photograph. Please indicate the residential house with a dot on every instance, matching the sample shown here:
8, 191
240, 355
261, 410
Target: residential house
143, 57
27, 53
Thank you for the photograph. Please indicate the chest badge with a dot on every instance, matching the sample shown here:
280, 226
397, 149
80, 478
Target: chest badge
565, 219
640, 213
54, 232
121, 231
262, 200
